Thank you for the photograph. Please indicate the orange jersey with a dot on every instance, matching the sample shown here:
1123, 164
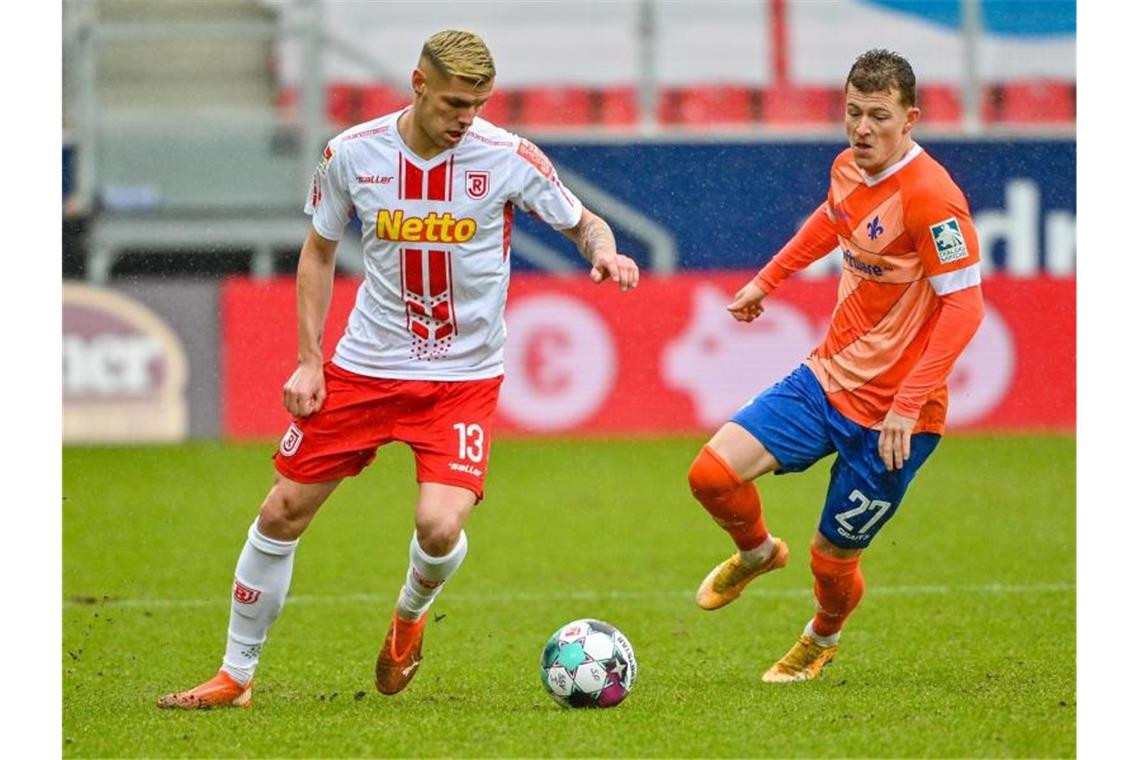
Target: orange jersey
910, 256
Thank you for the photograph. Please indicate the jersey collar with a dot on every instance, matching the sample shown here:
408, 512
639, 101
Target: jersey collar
893, 168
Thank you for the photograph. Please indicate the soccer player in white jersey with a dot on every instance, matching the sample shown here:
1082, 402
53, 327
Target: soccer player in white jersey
421, 360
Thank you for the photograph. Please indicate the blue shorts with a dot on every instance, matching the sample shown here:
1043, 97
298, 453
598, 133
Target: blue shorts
795, 422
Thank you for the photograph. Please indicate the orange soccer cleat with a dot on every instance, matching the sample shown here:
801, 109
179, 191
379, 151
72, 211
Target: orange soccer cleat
803, 662
399, 658
728, 579
219, 691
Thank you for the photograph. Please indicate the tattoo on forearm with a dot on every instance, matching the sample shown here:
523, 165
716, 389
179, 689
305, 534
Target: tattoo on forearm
595, 236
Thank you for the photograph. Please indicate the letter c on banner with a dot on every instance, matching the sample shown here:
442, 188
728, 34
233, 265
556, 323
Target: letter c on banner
560, 363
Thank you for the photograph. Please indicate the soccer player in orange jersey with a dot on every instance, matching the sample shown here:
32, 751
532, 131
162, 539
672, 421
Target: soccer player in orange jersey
874, 390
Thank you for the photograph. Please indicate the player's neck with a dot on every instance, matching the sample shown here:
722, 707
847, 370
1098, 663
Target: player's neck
414, 138
904, 148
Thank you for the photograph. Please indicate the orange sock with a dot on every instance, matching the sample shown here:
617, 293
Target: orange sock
734, 504
838, 589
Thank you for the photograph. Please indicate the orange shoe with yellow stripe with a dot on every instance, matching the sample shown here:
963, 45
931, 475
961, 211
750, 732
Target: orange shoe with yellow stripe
219, 691
399, 658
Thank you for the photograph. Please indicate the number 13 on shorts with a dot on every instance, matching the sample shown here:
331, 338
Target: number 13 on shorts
470, 441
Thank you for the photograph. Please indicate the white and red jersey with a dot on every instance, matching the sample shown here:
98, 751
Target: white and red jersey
436, 239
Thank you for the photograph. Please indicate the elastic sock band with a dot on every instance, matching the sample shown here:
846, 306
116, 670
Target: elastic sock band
267, 545
720, 461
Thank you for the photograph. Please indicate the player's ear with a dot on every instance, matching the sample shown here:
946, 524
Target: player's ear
418, 81
913, 114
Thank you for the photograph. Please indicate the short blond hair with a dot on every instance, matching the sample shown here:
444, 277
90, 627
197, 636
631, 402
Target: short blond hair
460, 54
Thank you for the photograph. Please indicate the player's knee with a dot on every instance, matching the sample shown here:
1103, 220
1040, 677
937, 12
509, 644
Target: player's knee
710, 477
284, 514
832, 567
439, 535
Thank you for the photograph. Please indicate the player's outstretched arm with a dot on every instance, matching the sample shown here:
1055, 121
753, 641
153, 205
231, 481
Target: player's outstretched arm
304, 391
595, 241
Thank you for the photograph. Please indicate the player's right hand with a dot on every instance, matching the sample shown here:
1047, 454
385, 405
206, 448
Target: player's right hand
746, 304
304, 391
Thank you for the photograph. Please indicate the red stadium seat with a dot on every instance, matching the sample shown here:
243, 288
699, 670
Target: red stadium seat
1037, 102
342, 103
727, 104
555, 107
802, 105
378, 99
940, 104
617, 107
500, 109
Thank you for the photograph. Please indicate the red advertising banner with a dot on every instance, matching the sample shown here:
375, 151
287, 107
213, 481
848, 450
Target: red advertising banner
666, 357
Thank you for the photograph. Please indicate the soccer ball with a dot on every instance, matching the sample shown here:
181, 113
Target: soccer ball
588, 663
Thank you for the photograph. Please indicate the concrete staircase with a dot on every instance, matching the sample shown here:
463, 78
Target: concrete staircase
163, 70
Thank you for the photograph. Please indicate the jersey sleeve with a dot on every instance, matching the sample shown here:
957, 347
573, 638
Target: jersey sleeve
329, 202
540, 192
959, 317
939, 221
815, 239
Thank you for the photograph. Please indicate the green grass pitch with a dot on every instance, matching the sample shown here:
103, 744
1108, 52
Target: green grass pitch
964, 644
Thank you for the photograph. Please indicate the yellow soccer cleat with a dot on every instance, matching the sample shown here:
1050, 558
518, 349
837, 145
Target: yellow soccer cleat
398, 661
219, 691
803, 661
728, 579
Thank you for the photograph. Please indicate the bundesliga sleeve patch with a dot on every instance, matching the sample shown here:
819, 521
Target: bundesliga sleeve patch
948, 240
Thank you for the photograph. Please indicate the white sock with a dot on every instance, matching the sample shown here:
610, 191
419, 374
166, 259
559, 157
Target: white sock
426, 575
824, 641
261, 581
759, 554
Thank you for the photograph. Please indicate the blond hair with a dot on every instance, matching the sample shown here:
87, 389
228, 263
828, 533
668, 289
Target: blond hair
460, 54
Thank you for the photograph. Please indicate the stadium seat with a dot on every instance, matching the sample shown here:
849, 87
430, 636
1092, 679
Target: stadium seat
940, 104
788, 105
1039, 101
500, 109
555, 107
378, 99
727, 104
617, 106
342, 103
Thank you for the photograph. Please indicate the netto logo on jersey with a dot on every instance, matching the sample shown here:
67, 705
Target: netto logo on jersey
433, 228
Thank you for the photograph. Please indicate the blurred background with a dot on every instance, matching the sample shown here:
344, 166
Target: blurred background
702, 130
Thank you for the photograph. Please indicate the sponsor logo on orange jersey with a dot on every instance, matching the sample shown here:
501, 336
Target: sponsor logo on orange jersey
861, 266
433, 228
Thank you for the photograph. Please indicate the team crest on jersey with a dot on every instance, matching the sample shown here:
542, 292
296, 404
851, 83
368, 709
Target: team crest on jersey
948, 240
291, 441
478, 183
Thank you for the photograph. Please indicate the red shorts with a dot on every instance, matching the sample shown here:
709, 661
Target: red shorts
446, 423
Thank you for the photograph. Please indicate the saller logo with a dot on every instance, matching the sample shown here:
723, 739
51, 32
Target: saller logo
433, 228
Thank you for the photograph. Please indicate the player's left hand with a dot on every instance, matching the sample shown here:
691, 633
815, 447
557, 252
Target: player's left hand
613, 266
894, 440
